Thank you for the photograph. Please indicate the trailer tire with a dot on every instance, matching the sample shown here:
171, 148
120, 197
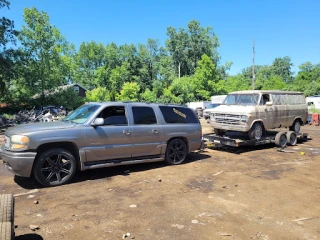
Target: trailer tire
6, 231
291, 138
6, 208
281, 139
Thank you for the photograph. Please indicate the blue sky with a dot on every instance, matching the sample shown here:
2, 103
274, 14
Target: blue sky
280, 27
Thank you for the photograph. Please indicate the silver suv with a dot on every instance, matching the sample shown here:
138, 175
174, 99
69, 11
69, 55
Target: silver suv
100, 135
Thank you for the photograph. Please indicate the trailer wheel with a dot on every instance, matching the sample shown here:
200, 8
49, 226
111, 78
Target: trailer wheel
291, 138
257, 131
219, 132
281, 139
6, 231
6, 208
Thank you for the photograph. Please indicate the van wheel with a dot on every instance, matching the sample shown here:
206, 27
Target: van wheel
176, 152
296, 126
6, 208
291, 138
219, 132
54, 167
256, 132
281, 140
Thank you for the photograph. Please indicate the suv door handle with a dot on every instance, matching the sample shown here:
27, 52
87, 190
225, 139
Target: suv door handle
155, 131
127, 132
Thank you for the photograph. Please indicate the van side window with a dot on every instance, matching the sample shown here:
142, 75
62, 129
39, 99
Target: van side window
264, 99
114, 115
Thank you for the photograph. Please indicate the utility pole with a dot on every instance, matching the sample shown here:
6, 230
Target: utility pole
253, 75
179, 70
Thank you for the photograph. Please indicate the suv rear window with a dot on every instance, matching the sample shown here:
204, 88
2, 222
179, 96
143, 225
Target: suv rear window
143, 115
178, 115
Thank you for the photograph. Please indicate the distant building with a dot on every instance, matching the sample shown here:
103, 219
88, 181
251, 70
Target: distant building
77, 87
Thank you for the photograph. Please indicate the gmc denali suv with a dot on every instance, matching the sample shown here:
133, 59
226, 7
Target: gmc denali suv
100, 135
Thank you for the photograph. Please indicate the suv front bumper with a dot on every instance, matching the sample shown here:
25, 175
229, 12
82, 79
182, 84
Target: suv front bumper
19, 163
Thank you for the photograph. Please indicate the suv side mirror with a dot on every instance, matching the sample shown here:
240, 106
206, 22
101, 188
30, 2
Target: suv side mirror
269, 103
97, 122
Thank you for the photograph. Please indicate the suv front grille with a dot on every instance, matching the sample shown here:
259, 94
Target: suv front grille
231, 119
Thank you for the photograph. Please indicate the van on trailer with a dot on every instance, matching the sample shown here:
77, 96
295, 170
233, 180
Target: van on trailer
255, 111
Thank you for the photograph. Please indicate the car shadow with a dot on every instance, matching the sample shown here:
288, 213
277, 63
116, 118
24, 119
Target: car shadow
108, 172
31, 236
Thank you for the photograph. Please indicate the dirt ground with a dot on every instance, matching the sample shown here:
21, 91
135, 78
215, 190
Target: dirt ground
256, 193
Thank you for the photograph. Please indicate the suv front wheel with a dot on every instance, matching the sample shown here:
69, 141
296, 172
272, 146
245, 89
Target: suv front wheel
176, 152
54, 167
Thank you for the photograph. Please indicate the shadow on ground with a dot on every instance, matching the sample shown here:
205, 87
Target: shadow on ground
32, 236
108, 172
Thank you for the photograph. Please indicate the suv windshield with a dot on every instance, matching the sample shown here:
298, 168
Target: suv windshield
241, 99
82, 113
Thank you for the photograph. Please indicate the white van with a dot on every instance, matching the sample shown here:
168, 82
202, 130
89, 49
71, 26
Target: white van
313, 101
256, 111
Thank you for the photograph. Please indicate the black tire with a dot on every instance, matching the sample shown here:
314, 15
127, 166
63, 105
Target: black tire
6, 231
296, 126
257, 131
291, 138
6, 208
54, 167
281, 139
176, 151
219, 132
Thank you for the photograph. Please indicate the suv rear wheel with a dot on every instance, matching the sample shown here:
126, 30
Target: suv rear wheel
176, 151
54, 167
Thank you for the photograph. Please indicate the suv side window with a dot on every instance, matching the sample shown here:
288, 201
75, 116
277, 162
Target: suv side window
178, 115
114, 115
144, 115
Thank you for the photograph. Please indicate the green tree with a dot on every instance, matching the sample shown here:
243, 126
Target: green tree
89, 58
236, 83
282, 67
180, 91
129, 92
205, 80
7, 54
187, 46
43, 45
98, 94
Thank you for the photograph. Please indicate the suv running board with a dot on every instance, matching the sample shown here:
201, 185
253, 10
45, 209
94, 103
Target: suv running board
112, 163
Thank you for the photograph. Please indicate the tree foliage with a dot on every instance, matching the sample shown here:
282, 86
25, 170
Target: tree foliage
146, 71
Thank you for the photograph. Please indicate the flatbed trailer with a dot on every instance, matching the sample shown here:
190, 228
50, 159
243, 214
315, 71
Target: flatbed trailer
280, 139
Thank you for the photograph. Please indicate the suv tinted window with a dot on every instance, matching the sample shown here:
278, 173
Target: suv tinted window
178, 115
114, 115
143, 115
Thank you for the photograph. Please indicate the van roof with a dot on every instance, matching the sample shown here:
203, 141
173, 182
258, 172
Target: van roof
264, 91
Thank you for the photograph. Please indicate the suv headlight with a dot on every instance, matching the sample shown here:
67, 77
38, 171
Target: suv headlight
212, 116
19, 142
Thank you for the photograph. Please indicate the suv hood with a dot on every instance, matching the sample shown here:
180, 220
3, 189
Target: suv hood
233, 109
38, 127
